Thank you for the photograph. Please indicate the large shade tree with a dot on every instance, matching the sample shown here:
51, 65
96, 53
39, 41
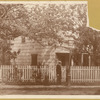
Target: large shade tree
39, 22
47, 20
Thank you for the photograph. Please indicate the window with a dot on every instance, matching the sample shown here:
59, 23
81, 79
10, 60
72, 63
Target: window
11, 38
34, 59
23, 39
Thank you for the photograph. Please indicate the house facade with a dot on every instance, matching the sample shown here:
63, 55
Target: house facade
32, 53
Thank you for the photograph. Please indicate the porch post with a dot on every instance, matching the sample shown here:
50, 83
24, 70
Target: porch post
72, 63
82, 59
89, 60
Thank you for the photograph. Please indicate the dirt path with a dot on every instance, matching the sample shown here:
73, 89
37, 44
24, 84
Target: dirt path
50, 92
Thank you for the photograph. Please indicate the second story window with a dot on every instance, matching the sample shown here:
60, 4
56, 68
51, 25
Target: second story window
23, 39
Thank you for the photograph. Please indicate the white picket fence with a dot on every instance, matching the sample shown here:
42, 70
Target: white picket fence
79, 74
25, 73
85, 74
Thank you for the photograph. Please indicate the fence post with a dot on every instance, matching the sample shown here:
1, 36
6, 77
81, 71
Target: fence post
68, 76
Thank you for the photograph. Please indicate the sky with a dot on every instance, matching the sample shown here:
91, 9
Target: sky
94, 13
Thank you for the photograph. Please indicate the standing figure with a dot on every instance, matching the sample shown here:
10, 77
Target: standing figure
58, 72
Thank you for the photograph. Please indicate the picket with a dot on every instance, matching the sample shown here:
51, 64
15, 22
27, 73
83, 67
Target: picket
79, 74
85, 74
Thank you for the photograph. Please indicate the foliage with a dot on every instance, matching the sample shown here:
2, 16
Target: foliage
88, 42
8, 30
50, 23
47, 20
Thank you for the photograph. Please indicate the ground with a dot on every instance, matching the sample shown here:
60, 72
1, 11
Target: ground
50, 91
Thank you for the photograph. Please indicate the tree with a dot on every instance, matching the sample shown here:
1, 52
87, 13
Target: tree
46, 21
41, 22
8, 29
88, 42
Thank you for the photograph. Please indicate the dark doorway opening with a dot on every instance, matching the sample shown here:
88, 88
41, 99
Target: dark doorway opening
85, 60
77, 59
34, 59
63, 57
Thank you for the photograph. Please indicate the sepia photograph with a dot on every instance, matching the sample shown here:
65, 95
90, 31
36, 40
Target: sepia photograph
48, 48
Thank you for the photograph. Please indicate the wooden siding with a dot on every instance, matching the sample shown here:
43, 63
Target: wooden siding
46, 54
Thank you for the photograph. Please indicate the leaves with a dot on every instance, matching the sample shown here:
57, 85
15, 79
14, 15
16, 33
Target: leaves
48, 19
88, 42
41, 22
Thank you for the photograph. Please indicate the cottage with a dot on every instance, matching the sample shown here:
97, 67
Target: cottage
28, 53
31, 52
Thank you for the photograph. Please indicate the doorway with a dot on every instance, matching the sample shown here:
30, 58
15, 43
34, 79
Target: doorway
34, 59
64, 58
85, 60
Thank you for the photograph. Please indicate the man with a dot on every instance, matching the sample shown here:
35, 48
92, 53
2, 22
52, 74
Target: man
58, 72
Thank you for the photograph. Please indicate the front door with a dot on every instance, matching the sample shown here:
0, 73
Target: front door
64, 58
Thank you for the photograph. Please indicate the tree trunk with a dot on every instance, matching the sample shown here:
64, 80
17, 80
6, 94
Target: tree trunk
68, 71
